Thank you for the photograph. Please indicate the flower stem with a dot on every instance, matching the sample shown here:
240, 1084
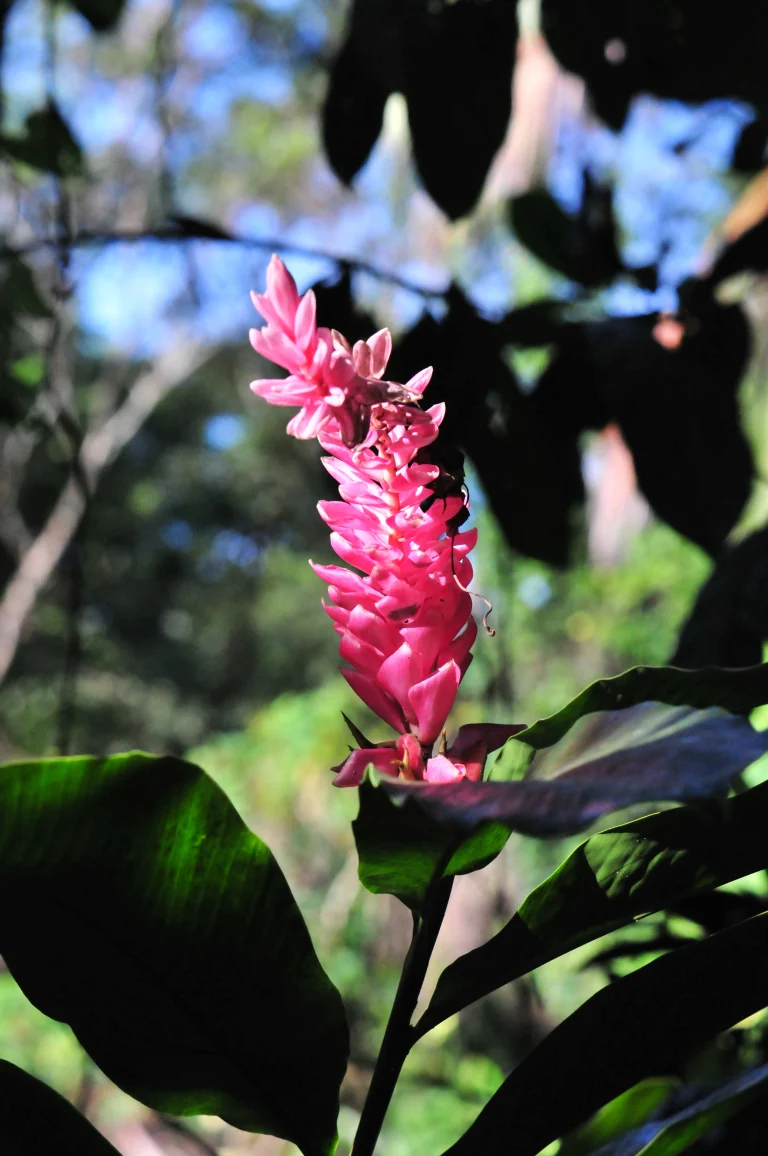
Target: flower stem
399, 1036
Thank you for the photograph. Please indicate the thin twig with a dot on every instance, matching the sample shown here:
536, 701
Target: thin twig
202, 231
99, 448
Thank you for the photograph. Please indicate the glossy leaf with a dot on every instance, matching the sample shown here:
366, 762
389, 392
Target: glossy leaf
646, 1023
34, 1118
188, 974
629, 1110
739, 691
400, 848
679, 1132
608, 760
47, 144
610, 879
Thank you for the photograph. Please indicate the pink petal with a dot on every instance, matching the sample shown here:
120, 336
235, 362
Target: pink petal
419, 382
432, 700
443, 770
305, 327
380, 346
374, 697
350, 772
281, 291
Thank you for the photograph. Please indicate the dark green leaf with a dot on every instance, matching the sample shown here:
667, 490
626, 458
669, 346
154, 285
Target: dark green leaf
400, 848
628, 1110
102, 15
608, 760
729, 619
613, 877
682, 1130
739, 691
188, 974
458, 59
581, 248
642, 1025
364, 74
47, 144
34, 1118
19, 293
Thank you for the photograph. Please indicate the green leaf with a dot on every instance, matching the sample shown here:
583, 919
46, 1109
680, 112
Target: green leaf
102, 15
47, 144
608, 760
646, 1023
18, 291
682, 1130
739, 691
627, 1111
188, 974
614, 876
34, 1118
400, 848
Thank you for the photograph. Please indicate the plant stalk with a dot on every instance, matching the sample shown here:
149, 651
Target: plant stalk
399, 1036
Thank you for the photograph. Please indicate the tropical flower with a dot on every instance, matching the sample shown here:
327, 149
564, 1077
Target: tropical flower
400, 605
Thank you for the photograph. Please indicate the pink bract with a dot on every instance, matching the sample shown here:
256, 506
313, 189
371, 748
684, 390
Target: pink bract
403, 613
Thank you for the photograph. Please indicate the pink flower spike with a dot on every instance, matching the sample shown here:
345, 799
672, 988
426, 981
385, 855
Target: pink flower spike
350, 772
432, 700
377, 699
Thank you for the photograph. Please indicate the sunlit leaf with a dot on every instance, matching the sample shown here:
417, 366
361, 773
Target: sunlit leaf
185, 969
646, 1023
613, 877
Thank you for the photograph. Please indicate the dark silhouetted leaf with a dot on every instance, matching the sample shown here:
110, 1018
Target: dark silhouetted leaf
188, 974
47, 144
337, 309
34, 1118
365, 73
679, 1132
615, 875
530, 468
677, 409
749, 153
686, 51
582, 247
193, 227
458, 59
739, 691
643, 1025
538, 323
729, 620
102, 15
608, 760
400, 848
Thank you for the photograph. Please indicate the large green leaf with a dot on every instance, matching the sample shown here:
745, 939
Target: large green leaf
608, 760
34, 1118
400, 848
642, 1025
679, 1132
613, 877
184, 966
739, 691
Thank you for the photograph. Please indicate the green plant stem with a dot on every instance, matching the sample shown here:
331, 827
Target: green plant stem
399, 1036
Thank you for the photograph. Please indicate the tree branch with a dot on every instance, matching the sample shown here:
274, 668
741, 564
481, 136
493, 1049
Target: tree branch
99, 448
191, 230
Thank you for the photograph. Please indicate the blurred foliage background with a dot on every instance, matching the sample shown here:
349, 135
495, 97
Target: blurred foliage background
563, 208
